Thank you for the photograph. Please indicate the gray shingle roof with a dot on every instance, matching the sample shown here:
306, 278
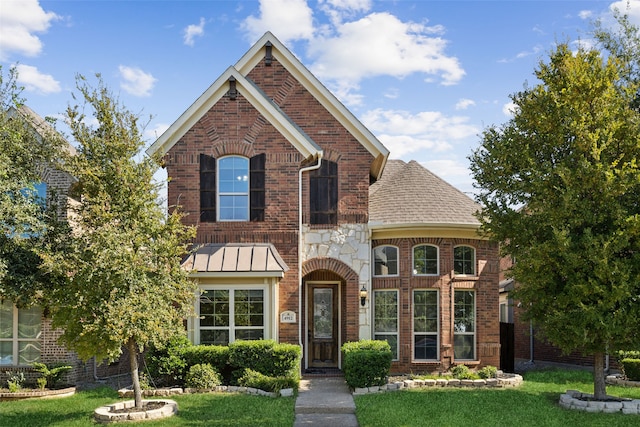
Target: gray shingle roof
407, 193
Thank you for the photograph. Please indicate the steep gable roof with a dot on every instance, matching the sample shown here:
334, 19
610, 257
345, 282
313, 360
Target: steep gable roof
256, 97
287, 59
409, 197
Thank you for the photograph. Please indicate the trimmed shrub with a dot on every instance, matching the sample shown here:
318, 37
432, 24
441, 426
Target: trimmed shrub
488, 372
215, 355
366, 363
255, 379
462, 372
202, 376
265, 356
165, 363
631, 368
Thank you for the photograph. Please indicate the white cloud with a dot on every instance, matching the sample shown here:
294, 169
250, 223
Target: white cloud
135, 81
155, 132
585, 14
381, 44
464, 103
629, 7
509, 109
192, 31
404, 133
19, 20
35, 81
287, 19
447, 168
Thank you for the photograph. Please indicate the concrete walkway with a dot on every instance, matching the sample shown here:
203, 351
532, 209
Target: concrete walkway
325, 402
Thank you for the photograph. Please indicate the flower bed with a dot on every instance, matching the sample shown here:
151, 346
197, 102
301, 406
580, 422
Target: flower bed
285, 392
36, 393
124, 411
503, 381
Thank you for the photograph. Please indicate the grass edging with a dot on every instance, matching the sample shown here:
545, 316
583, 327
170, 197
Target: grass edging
285, 392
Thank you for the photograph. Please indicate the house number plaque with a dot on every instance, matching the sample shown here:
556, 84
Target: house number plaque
288, 317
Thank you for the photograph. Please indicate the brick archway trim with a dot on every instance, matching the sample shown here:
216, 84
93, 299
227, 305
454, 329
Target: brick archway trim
331, 264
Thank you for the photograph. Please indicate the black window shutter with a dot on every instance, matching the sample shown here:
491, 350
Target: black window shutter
256, 187
207, 188
323, 194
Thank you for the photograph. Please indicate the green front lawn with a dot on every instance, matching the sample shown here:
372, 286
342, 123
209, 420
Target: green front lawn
219, 409
535, 403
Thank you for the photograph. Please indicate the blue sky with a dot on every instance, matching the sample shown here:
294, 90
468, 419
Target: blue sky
426, 77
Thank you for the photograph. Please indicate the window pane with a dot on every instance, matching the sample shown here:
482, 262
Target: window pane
29, 322
463, 347
385, 260
214, 337
28, 352
393, 343
464, 311
385, 311
425, 347
425, 259
6, 319
234, 208
234, 175
249, 334
464, 260
6, 353
248, 308
425, 311
214, 308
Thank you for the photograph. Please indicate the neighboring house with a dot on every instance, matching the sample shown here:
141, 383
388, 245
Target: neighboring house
26, 334
308, 234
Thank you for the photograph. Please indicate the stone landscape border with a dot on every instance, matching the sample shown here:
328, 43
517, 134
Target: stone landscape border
573, 399
105, 414
504, 381
41, 394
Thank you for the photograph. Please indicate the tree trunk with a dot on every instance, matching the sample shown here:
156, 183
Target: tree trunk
599, 384
133, 363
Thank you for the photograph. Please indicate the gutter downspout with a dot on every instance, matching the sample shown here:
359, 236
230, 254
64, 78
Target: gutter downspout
300, 247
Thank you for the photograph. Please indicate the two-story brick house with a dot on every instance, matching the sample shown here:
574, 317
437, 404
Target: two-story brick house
308, 234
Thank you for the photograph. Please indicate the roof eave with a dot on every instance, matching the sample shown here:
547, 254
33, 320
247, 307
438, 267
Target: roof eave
212, 95
320, 93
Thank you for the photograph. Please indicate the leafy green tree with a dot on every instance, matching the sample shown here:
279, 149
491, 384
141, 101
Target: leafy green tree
125, 284
560, 188
25, 221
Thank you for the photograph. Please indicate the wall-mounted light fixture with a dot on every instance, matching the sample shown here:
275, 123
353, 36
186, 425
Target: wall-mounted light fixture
363, 295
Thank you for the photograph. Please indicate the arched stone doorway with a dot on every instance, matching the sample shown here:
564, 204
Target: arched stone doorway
330, 312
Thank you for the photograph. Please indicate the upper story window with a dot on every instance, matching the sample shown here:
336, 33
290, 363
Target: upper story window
232, 188
20, 330
425, 260
385, 261
464, 260
323, 194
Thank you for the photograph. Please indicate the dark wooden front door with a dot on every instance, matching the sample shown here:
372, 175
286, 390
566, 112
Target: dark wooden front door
322, 326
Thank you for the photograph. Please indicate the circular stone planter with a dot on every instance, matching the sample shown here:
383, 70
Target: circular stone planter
122, 411
576, 400
41, 394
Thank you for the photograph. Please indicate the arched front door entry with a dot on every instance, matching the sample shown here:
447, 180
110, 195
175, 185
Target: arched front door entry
323, 325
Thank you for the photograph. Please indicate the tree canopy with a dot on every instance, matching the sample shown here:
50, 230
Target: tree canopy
25, 220
560, 188
125, 284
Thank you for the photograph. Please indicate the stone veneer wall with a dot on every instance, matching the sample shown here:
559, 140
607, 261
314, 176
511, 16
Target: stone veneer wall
350, 244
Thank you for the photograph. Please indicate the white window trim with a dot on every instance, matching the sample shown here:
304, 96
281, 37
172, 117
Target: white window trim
397, 333
413, 260
373, 264
475, 325
15, 340
474, 261
268, 321
220, 193
413, 333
